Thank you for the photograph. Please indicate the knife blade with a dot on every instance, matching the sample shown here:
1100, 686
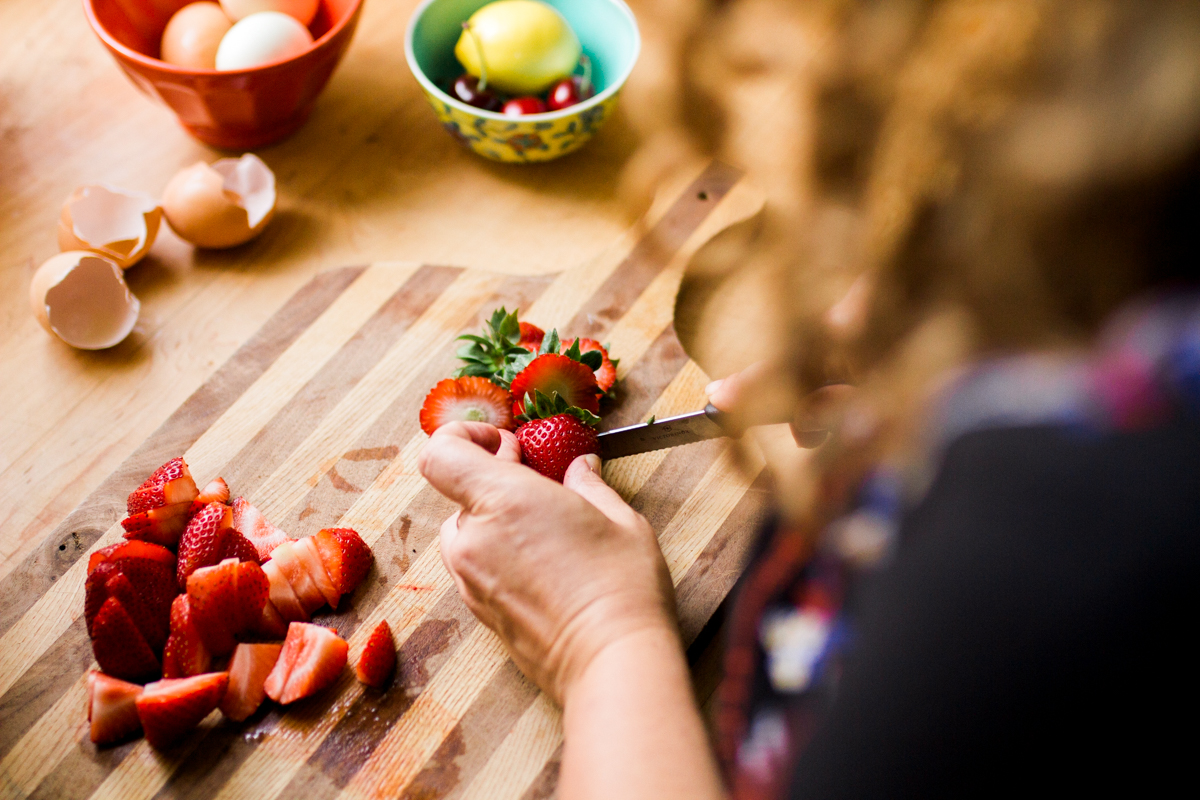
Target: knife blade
659, 434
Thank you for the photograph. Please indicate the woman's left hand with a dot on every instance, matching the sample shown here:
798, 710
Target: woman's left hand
560, 572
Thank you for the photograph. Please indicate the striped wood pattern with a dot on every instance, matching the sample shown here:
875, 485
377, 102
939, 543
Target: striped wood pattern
315, 420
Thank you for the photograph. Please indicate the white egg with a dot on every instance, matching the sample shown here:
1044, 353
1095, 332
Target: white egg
303, 10
262, 38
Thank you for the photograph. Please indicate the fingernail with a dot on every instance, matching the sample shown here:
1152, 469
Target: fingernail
712, 387
593, 462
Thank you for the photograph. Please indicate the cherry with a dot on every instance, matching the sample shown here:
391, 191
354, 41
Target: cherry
570, 91
466, 88
520, 106
564, 93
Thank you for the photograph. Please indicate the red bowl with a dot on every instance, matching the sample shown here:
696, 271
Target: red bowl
238, 109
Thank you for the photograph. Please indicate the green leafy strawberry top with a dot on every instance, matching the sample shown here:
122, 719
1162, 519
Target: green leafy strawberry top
497, 356
539, 406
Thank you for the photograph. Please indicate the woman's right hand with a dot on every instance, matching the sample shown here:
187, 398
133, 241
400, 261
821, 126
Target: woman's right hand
812, 416
560, 572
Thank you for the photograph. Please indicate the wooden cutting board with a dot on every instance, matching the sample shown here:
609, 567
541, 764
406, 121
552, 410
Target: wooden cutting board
315, 421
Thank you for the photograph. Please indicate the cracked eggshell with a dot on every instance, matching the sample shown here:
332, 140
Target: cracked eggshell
118, 224
222, 204
82, 298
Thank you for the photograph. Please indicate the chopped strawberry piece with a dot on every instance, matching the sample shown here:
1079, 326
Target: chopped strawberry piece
248, 671
553, 373
145, 588
171, 708
170, 484
312, 658
120, 550
185, 654
217, 491
270, 625
201, 543
282, 596
606, 375
346, 557
249, 521
550, 445
297, 574
234, 545
112, 708
161, 526
531, 337
225, 601
466, 399
118, 645
378, 659
306, 550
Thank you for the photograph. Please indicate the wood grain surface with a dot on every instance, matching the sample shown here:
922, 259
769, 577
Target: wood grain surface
314, 419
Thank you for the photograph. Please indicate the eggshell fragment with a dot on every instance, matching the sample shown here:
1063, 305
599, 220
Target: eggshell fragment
263, 38
222, 204
82, 298
303, 10
193, 35
118, 224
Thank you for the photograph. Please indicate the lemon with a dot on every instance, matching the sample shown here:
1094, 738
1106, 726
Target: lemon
527, 46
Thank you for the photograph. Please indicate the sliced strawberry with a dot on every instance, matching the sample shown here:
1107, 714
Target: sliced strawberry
146, 590
311, 659
249, 521
171, 708
466, 399
282, 596
185, 654
225, 601
248, 671
531, 337
271, 625
297, 574
378, 659
606, 375
201, 543
550, 445
306, 549
234, 545
170, 484
346, 557
553, 373
146, 550
112, 708
118, 645
161, 526
217, 491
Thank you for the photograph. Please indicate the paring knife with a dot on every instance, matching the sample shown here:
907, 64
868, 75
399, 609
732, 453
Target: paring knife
659, 434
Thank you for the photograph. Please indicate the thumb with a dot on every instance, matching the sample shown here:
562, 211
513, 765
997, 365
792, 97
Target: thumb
583, 478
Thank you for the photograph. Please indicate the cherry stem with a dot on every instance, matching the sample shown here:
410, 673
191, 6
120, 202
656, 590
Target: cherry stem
482, 85
585, 83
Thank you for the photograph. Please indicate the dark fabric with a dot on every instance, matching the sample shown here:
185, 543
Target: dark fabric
1035, 630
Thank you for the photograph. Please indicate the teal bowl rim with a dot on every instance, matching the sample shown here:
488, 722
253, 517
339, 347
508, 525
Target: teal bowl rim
592, 101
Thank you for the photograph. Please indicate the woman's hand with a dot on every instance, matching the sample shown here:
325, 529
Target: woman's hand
811, 418
559, 572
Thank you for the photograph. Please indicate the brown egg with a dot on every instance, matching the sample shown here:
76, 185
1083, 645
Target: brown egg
222, 204
115, 223
82, 298
193, 34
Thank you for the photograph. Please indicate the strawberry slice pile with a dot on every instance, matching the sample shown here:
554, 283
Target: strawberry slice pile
553, 387
210, 602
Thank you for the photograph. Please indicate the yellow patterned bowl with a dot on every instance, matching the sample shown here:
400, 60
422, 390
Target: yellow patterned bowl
609, 35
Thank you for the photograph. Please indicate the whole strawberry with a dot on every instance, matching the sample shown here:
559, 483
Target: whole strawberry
555, 435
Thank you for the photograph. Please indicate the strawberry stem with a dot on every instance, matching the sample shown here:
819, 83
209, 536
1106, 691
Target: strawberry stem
585, 83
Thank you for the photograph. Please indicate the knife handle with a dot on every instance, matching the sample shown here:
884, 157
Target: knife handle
722, 420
